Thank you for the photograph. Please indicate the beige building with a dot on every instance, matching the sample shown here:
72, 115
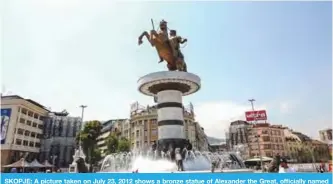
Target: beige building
22, 128
237, 137
200, 142
114, 126
326, 135
293, 144
142, 129
271, 140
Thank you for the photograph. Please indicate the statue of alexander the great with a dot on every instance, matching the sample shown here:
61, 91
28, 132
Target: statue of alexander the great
167, 48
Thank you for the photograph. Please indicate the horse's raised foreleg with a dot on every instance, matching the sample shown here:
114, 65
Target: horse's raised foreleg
147, 36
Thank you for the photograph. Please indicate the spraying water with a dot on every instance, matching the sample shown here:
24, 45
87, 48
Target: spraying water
149, 162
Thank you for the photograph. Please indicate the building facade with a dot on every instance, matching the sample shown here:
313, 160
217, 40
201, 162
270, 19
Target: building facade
58, 141
218, 147
142, 129
201, 141
118, 127
238, 136
293, 144
271, 140
21, 128
326, 135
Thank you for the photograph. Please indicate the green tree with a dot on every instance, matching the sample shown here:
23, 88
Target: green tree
124, 145
96, 156
88, 137
115, 145
112, 143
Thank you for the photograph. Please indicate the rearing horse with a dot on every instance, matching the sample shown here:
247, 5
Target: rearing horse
164, 49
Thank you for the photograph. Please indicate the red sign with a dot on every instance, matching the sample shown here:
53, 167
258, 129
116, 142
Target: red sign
256, 115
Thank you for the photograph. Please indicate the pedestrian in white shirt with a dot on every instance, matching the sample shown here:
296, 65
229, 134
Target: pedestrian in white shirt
179, 159
284, 168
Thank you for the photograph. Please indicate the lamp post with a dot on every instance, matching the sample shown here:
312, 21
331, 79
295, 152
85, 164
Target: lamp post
257, 136
81, 126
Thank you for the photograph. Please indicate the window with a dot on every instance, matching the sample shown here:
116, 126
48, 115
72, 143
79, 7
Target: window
24, 111
267, 146
25, 143
18, 141
278, 147
30, 114
39, 136
22, 120
28, 122
33, 134
37, 145
34, 124
27, 133
265, 138
31, 144
153, 122
36, 116
137, 133
153, 132
264, 132
20, 131
40, 127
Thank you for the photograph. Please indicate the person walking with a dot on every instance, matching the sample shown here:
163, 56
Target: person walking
275, 164
322, 167
284, 168
179, 160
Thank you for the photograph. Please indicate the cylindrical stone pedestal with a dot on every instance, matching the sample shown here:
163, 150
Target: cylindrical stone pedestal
169, 87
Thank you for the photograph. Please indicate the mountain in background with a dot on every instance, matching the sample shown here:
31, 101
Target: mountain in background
213, 140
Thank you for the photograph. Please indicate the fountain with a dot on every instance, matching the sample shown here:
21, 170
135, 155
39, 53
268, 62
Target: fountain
168, 89
194, 161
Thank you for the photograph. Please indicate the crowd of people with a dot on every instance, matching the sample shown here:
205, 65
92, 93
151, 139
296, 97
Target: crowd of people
176, 154
34, 170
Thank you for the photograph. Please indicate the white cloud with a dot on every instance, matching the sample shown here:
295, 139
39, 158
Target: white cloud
215, 117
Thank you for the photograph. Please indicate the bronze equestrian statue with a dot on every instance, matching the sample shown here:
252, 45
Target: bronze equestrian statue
167, 48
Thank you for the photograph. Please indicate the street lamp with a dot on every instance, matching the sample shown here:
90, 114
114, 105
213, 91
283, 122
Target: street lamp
257, 136
81, 126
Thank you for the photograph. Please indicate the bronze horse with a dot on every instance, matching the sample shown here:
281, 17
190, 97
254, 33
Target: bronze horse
164, 49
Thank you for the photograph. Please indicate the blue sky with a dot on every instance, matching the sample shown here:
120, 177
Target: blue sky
69, 52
